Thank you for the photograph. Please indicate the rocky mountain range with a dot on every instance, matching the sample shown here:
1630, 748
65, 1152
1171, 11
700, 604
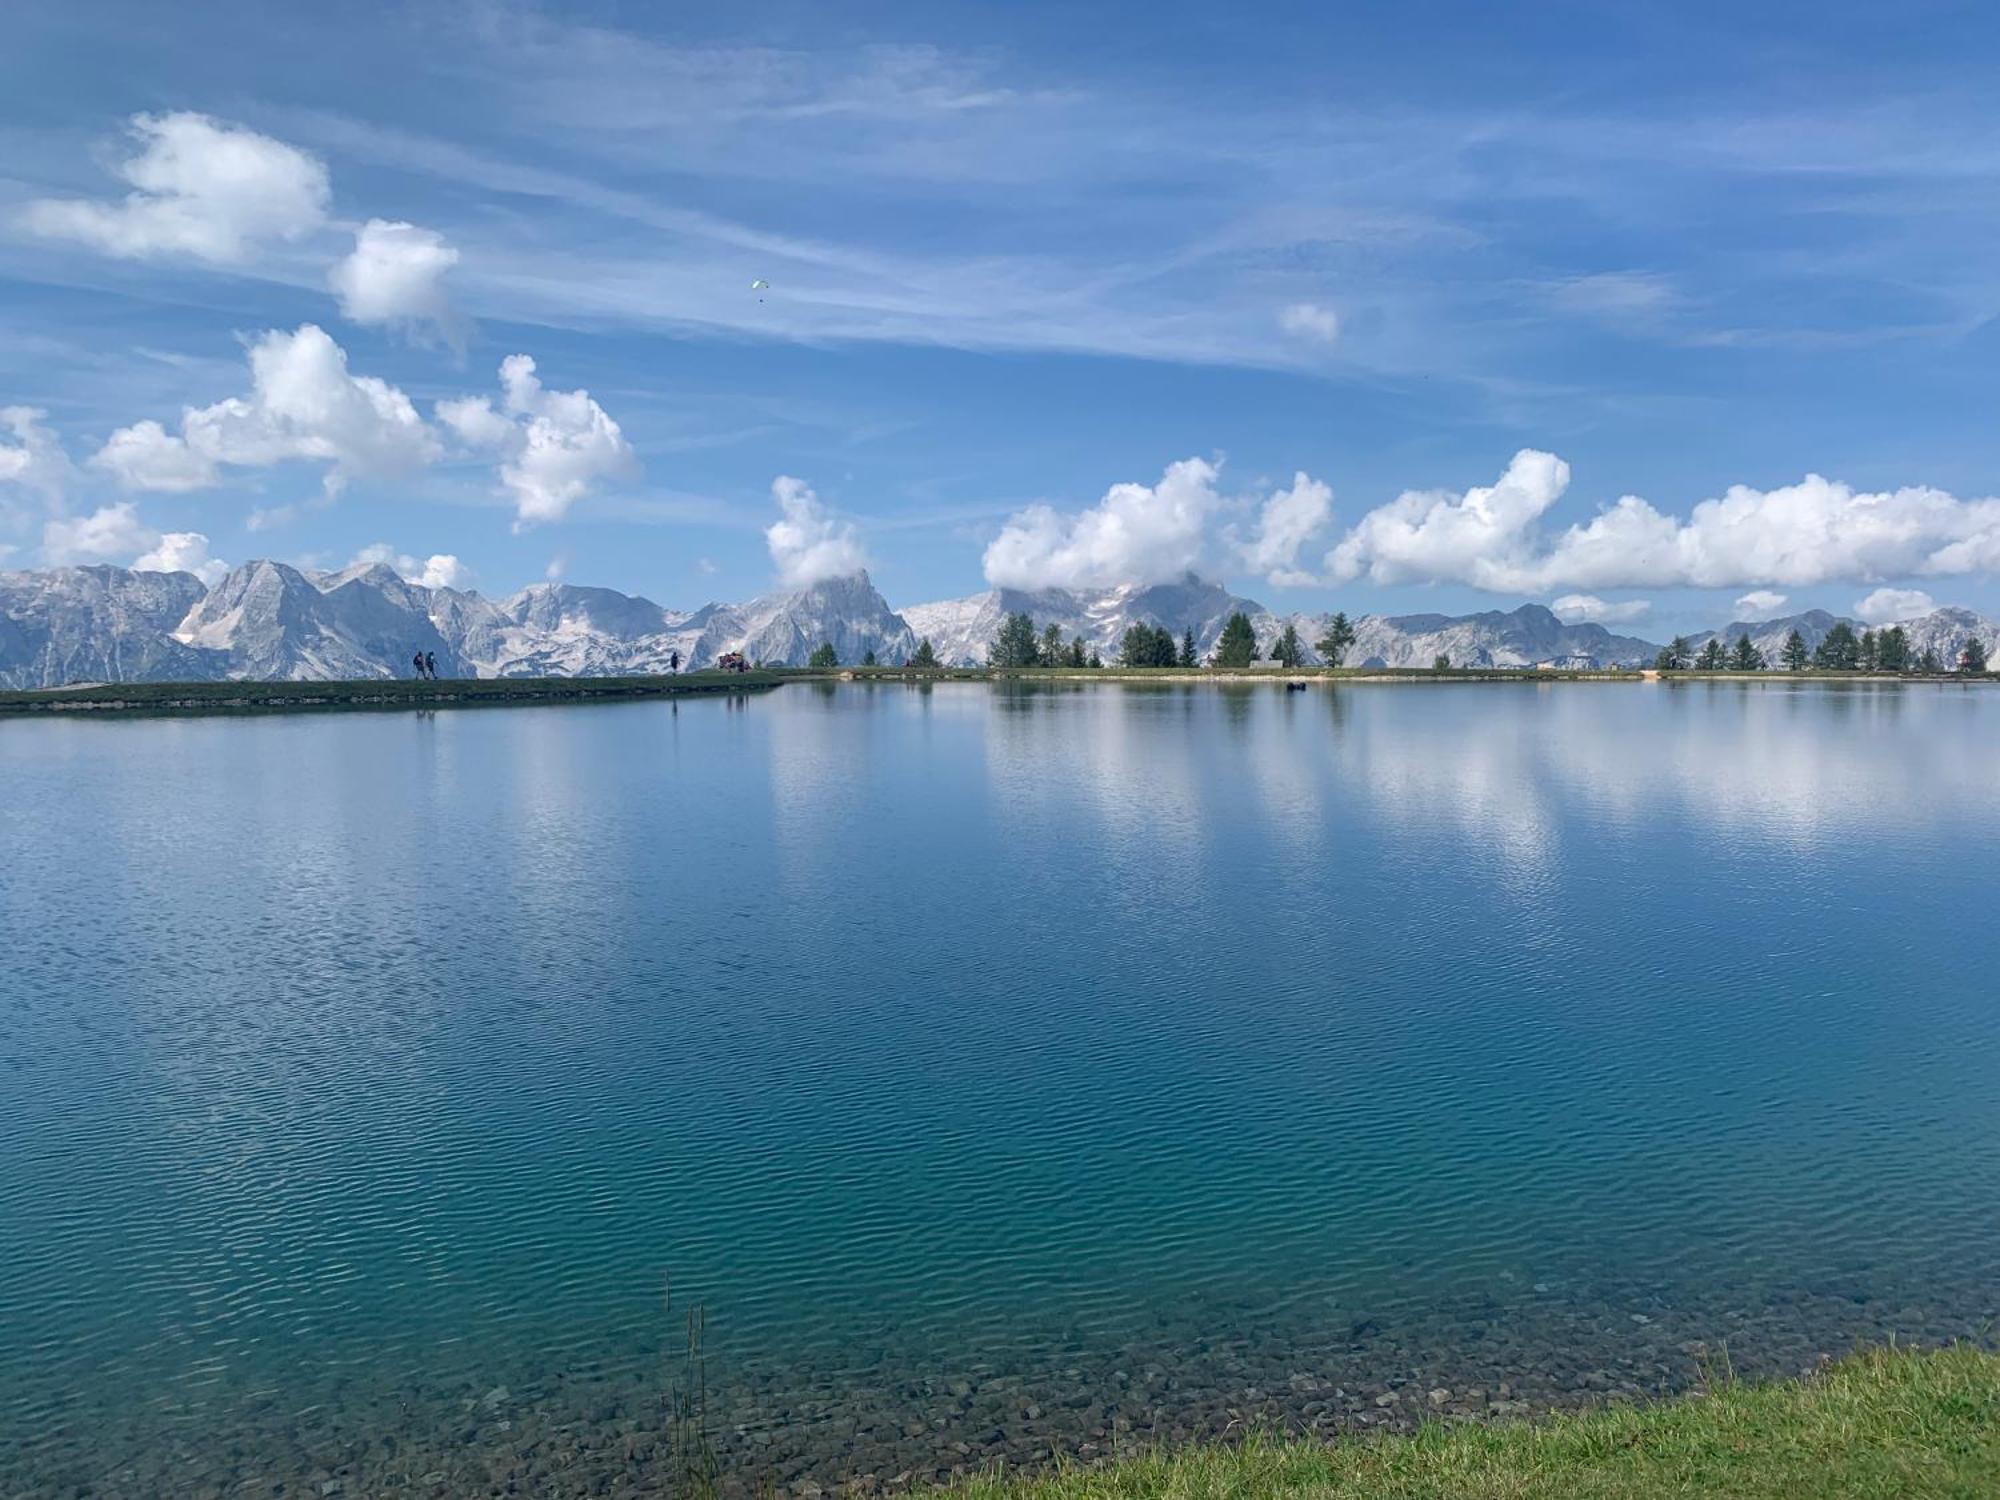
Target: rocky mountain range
1943, 631
961, 630
271, 621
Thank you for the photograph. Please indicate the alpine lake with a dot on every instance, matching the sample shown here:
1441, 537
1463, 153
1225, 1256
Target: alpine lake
994, 1071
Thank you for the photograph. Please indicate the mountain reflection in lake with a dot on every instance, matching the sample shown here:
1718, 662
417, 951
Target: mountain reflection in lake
1142, 1056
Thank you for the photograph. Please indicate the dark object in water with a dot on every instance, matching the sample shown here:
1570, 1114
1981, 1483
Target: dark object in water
1295, 687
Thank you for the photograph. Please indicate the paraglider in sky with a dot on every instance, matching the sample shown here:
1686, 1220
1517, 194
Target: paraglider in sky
760, 285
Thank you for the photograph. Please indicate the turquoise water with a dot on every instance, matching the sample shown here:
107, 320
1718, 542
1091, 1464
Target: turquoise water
364, 1078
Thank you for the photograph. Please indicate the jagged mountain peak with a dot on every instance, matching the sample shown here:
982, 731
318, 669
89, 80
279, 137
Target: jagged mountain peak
269, 619
579, 607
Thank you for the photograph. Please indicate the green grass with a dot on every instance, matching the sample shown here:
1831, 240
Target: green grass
1111, 672
384, 693
238, 697
1880, 1425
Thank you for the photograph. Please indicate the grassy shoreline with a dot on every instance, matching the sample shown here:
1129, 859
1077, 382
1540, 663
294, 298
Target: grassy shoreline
372, 693
1882, 1424
391, 694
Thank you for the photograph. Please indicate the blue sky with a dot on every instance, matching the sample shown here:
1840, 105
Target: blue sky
1019, 256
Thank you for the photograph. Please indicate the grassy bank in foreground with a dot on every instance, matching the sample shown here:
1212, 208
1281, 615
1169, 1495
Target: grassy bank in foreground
240, 697
1881, 1425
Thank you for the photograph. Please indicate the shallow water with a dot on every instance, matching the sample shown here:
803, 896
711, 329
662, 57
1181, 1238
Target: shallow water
1005, 1070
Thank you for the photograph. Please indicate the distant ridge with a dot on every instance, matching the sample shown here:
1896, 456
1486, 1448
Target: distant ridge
267, 620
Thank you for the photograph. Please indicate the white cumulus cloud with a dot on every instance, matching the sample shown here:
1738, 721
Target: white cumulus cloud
303, 406
217, 192
1760, 604
555, 446
116, 534
1308, 320
1481, 537
1888, 606
809, 545
111, 533
441, 570
395, 277
1136, 534
1814, 532
182, 552
1287, 520
31, 456
1577, 609
145, 456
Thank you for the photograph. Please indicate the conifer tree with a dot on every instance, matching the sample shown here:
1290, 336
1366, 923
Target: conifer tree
1839, 651
1187, 657
1051, 650
1440, 663
1746, 657
823, 658
1795, 655
1893, 648
1870, 656
926, 658
1674, 657
1972, 660
1145, 645
1332, 647
1288, 650
1711, 658
1016, 646
1238, 646
868, 657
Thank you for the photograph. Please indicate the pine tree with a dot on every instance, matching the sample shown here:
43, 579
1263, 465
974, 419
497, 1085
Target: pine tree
1051, 651
1095, 660
1144, 645
823, 658
1289, 651
1238, 646
1711, 658
1674, 657
1870, 656
1795, 655
868, 657
1332, 647
1187, 657
1972, 660
1016, 646
1440, 663
1746, 657
926, 658
1839, 651
1076, 657
1928, 663
1894, 649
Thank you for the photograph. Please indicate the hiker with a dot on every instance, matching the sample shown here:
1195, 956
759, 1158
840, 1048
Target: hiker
431, 665
674, 661
417, 661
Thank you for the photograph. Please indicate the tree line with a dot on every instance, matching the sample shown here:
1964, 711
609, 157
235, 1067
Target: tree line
825, 658
1840, 650
1017, 645
1147, 645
